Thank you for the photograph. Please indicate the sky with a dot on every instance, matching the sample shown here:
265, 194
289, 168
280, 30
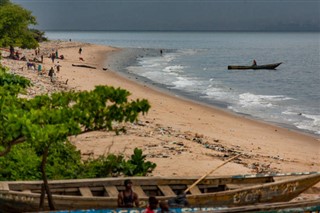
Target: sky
176, 15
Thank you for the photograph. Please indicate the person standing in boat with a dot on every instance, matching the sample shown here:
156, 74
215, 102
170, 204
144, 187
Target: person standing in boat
128, 198
254, 63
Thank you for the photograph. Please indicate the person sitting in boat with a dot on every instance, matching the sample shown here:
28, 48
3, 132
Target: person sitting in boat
128, 198
179, 201
164, 207
153, 205
254, 63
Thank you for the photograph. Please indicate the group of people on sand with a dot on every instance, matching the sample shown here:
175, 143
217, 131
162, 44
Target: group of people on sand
41, 70
128, 199
55, 55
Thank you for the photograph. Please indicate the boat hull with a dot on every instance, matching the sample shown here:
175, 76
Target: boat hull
254, 67
288, 207
25, 197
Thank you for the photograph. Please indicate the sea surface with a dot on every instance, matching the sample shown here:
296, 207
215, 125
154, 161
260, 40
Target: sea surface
194, 64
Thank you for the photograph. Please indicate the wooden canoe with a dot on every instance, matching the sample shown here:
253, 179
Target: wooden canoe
254, 67
225, 191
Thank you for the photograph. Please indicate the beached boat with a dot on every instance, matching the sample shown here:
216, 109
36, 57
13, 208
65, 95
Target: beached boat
254, 67
225, 191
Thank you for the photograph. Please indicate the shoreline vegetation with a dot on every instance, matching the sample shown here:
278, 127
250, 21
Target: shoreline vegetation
182, 137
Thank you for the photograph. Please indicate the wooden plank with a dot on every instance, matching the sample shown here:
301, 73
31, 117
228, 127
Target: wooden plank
112, 191
195, 190
85, 191
166, 190
27, 191
4, 186
238, 186
139, 191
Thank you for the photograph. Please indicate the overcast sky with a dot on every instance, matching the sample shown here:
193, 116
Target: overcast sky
175, 14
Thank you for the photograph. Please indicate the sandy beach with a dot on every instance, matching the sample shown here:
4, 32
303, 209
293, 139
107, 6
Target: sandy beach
182, 137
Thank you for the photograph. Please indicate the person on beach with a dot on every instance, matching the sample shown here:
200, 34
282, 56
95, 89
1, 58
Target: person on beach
51, 74
57, 54
17, 56
39, 69
57, 65
53, 56
153, 204
80, 50
128, 198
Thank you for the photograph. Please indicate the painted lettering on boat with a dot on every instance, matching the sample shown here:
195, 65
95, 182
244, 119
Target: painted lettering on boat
141, 210
16, 197
264, 193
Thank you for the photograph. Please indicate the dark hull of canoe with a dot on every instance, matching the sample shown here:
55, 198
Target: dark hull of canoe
25, 197
257, 67
283, 207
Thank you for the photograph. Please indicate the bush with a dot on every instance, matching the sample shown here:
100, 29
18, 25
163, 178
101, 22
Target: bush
64, 162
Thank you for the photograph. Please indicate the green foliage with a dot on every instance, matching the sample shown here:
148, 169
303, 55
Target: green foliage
113, 165
15, 80
64, 162
14, 23
21, 163
137, 166
38, 35
4, 2
103, 166
28, 127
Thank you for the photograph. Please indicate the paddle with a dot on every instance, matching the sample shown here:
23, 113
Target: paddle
204, 176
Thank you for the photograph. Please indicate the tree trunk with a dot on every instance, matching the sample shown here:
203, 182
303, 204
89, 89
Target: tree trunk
44, 178
42, 197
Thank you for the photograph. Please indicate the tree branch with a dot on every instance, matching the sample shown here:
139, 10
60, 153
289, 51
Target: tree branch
11, 144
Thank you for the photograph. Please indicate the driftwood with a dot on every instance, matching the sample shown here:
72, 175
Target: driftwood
82, 65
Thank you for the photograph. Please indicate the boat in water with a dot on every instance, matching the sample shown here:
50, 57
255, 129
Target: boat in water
102, 193
254, 67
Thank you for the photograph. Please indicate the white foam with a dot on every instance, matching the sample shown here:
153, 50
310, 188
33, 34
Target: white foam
216, 92
311, 123
169, 57
188, 51
183, 82
174, 68
252, 100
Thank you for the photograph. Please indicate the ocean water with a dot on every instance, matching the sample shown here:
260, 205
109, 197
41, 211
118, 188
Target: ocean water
194, 64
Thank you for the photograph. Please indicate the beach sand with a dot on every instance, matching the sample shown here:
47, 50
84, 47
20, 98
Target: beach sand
182, 137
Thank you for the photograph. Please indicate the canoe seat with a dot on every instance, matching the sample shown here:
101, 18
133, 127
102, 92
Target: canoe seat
112, 191
238, 186
194, 190
166, 190
85, 192
4, 186
139, 191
